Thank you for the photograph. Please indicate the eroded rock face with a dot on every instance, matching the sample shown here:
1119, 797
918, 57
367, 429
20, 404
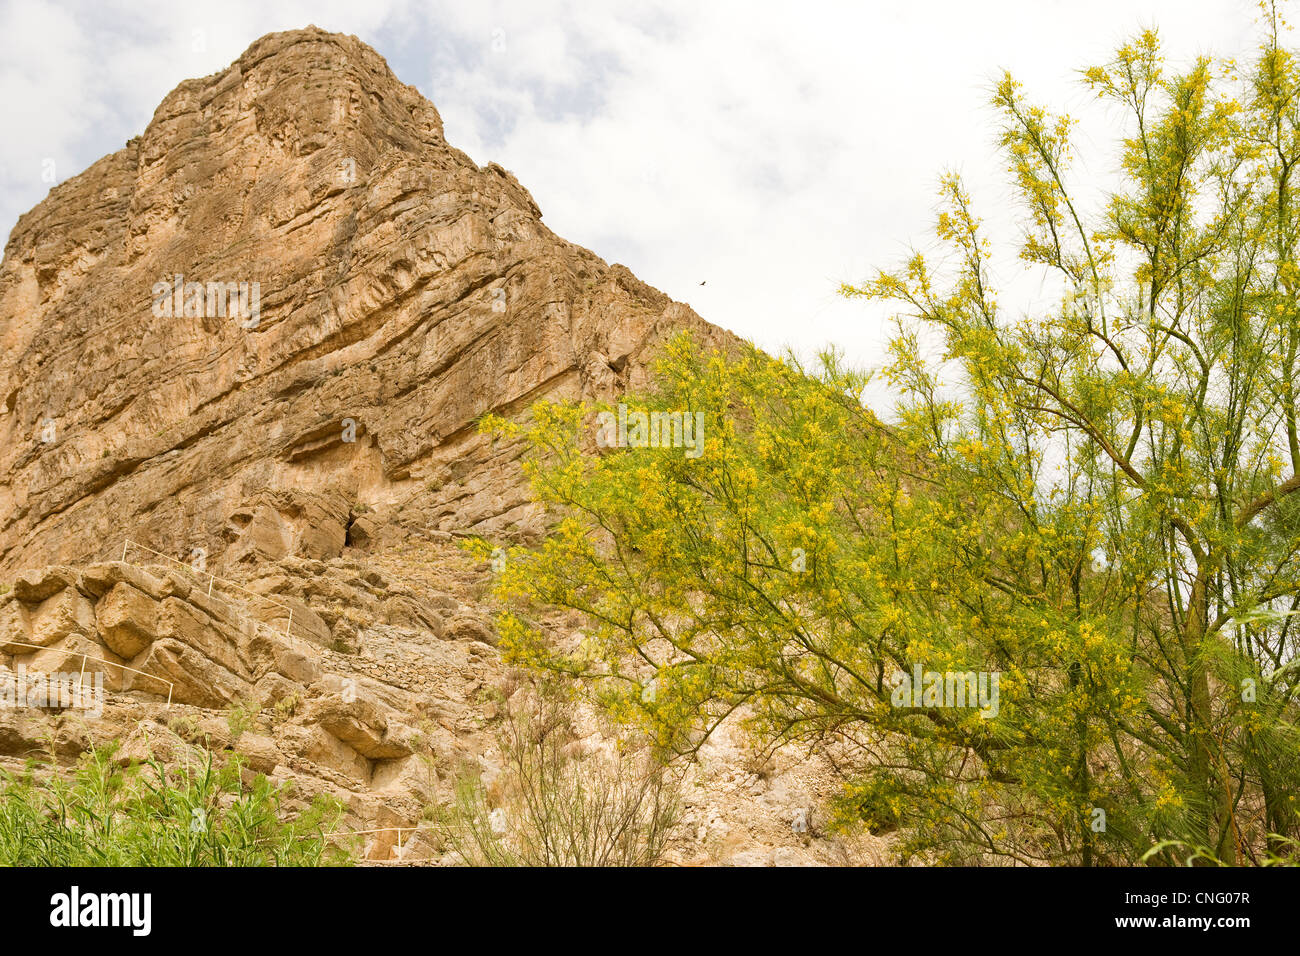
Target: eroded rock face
402, 292
181, 667
156, 635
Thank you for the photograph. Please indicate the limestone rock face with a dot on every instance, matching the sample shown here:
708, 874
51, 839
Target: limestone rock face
394, 292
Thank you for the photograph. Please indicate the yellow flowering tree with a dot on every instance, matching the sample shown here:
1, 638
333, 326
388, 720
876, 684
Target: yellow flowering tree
1090, 503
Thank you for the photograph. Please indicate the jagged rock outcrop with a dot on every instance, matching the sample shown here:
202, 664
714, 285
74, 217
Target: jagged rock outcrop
162, 636
402, 292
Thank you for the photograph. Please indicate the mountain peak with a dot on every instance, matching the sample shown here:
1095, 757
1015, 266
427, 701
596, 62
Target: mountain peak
285, 303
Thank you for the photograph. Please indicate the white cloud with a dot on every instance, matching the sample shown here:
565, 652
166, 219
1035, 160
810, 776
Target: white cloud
770, 153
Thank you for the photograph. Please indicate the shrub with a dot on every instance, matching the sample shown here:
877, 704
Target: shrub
554, 807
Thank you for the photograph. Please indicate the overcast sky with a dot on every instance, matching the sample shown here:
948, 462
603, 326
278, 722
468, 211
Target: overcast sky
769, 151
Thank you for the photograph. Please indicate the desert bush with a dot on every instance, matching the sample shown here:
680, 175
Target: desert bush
555, 806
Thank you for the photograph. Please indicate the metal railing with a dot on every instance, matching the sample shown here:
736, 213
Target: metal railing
398, 848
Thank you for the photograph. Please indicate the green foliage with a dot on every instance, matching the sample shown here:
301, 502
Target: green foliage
150, 815
1091, 499
1283, 852
186, 727
287, 706
241, 717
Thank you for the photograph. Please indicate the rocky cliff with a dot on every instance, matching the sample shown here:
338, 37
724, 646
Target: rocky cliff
288, 299
255, 341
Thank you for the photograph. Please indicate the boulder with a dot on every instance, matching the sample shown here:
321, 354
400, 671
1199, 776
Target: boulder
98, 579
127, 619
196, 679
37, 584
364, 726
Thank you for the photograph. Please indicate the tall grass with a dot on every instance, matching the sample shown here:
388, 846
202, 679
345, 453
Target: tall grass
199, 814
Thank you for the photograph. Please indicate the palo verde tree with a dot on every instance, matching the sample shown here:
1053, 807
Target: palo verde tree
1093, 499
